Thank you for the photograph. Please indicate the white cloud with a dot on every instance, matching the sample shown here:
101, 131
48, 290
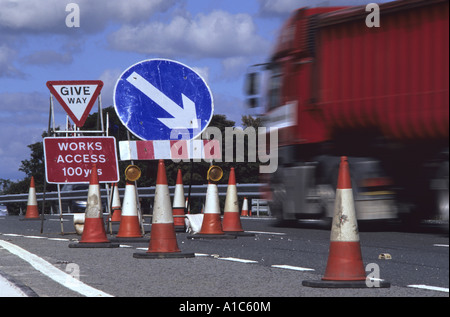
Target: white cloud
7, 69
47, 57
218, 34
37, 16
23, 118
233, 67
203, 72
109, 78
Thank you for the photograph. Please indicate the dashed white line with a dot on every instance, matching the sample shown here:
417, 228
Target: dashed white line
12, 235
440, 245
290, 267
264, 232
431, 288
34, 237
59, 239
238, 260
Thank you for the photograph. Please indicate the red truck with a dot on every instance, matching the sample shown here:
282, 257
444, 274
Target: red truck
380, 95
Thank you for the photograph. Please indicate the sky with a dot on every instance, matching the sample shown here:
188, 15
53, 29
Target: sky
219, 39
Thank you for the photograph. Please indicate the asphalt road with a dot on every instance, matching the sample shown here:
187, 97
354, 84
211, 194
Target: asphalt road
272, 263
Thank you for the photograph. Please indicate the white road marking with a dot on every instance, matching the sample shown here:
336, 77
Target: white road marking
440, 245
431, 288
264, 232
238, 260
290, 267
54, 273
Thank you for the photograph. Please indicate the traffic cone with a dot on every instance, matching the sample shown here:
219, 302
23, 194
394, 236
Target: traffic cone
163, 241
178, 204
231, 218
94, 234
32, 212
345, 267
116, 206
211, 224
244, 211
129, 229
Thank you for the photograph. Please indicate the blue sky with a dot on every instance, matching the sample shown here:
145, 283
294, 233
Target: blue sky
217, 38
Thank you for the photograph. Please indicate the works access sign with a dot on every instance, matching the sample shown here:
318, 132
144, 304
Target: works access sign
77, 97
70, 159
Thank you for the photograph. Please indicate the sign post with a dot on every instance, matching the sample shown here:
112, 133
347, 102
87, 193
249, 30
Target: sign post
67, 160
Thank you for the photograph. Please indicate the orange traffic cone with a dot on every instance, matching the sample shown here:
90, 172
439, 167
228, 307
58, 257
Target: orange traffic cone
163, 241
94, 234
345, 267
129, 229
32, 206
244, 212
231, 218
211, 224
116, 206
178, 204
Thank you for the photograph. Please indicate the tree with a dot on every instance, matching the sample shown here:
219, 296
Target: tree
34, 166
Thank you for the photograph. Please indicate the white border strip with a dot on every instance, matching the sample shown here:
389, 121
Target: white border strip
290, 267
264, 232
431, 288
52, 272
238, 260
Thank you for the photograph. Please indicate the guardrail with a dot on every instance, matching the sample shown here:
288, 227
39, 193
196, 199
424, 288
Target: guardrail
244, 190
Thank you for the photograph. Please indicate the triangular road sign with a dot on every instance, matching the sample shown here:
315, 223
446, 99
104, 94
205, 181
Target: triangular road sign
76, 97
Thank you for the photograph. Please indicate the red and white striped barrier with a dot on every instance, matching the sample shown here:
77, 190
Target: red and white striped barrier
170, 149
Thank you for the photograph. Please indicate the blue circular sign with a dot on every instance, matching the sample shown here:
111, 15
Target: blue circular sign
160, 99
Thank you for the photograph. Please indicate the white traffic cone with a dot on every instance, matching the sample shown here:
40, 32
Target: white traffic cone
94, 234
178, 204
163, 240
231, 218
345, 268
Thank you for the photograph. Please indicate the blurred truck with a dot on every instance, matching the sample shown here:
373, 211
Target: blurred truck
380, 95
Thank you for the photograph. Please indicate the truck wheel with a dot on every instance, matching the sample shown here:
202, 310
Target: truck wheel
442, 193
276, 204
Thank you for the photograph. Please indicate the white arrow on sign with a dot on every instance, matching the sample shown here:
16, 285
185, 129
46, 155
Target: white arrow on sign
185, 117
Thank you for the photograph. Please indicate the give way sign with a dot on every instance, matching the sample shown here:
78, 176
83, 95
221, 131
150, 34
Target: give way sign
76, 97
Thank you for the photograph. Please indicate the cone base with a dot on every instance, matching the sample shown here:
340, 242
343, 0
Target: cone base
344, 284
211, 236
345, 262
162, 255
211, 224
240, 233
163, 239
130, 239
129, 227
116, 217
93, 245
94, 231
